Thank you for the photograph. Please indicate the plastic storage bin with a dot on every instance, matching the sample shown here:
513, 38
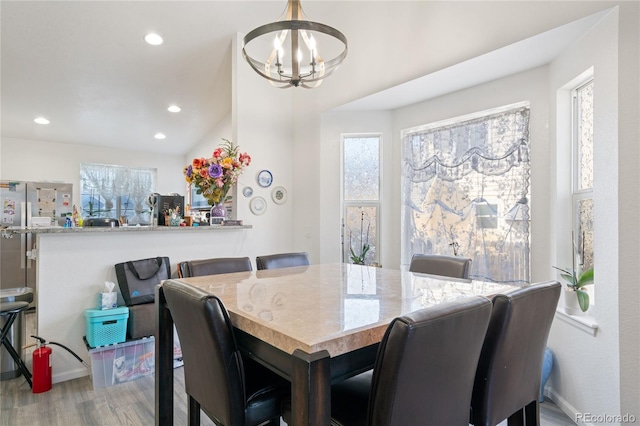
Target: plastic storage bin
106, 327
123, 362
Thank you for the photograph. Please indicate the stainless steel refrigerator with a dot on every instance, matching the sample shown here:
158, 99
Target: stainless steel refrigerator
21, 202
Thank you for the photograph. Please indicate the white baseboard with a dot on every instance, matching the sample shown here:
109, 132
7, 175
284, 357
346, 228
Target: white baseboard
70, 375
566, 408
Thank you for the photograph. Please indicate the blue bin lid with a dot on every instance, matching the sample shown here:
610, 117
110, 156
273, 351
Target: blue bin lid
91, 313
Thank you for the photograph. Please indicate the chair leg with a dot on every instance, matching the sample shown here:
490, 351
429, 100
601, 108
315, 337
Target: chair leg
516, 419
532, 413
4, 341
193, 411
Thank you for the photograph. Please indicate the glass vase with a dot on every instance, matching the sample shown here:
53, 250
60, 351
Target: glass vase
218, 210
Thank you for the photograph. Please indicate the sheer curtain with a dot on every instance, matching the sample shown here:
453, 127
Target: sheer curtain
114, 191
466, 192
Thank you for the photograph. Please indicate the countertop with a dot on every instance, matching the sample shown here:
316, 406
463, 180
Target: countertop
121, 229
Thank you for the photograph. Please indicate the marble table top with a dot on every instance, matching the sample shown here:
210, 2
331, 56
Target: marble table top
334, 307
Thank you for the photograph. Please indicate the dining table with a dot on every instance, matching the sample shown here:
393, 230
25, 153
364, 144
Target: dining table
314, 325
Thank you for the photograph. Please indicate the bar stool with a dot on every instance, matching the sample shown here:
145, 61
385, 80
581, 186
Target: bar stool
11, 310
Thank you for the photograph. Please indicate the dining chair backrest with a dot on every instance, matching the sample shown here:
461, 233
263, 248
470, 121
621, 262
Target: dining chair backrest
212, 364
282, 260
425, 365
435, 264
214, 266
424, 370
507, 384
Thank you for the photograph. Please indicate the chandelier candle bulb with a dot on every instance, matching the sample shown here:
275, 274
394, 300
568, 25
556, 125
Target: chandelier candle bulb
299, 33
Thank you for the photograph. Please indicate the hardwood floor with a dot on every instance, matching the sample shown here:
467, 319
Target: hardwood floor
76, 403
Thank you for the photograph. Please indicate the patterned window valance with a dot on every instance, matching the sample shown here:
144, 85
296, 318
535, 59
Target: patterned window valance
465, 191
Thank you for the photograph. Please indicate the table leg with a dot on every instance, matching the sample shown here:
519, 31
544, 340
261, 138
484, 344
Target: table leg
311, 389
164, 361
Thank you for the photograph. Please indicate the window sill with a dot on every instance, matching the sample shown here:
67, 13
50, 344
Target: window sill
584, 323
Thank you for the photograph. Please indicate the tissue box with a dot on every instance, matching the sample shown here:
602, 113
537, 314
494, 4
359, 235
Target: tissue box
107, 300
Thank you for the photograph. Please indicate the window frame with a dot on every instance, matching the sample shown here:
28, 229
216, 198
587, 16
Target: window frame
578, 195
345, 204
120, 201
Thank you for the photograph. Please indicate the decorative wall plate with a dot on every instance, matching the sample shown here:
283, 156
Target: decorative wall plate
279, 195
247, 191
265, 178
258, 205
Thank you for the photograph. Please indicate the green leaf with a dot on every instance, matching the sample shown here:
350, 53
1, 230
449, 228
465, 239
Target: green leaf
585, 278
566, 271
569, 279
583, 300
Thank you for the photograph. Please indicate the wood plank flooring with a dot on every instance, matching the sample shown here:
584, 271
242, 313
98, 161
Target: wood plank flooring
76, 403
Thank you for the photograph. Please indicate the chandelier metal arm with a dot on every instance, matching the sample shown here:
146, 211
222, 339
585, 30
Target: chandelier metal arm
295, 26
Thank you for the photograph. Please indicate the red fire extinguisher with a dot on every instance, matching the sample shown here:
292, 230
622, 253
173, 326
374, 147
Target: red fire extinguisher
42, 364
41, 367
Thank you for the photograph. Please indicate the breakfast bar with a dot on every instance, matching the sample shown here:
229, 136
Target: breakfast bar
73, 264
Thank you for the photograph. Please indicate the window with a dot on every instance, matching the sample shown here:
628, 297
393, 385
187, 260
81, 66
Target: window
116, 191
465, 191
360, 198
582, 186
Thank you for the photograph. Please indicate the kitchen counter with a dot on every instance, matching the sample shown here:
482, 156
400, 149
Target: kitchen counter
74, 263
105, 229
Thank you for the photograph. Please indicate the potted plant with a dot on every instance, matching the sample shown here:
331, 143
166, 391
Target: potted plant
575, 279
359, 259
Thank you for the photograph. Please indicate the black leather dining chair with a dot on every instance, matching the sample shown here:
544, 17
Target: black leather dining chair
424, 370
213, 266
282, 260
507, 384
216, 374
435, 264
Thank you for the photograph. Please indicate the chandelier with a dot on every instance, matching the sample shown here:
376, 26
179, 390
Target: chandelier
294, 50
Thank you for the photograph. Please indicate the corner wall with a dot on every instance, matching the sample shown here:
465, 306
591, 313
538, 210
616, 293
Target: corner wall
262, 123
586, 373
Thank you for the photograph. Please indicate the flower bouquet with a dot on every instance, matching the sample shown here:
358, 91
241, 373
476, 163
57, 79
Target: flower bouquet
214, 177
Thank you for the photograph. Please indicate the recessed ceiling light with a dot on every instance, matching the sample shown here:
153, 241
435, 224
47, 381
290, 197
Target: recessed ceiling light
160, 136
41, 120
153, 39
174, 108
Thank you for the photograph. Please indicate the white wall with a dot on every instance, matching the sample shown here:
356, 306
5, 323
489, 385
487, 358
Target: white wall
592, 374
588, 372
52, 161
262, 120
334, 124
629, 190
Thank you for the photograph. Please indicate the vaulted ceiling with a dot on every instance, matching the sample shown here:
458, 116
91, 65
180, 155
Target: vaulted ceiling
85, 66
